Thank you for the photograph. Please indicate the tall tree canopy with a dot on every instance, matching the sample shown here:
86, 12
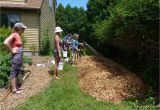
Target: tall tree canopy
72, 20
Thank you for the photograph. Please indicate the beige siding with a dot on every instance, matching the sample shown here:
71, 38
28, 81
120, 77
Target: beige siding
47, 20
31, 34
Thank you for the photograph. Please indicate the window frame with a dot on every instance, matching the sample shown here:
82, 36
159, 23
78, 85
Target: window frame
9, 23
50, 2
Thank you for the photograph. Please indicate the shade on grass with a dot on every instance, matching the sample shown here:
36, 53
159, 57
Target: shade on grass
65, 94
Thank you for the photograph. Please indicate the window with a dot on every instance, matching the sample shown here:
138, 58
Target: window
51, 4
9, 19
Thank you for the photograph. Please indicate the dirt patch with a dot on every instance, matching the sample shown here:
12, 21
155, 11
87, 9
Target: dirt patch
108, 81
36, 82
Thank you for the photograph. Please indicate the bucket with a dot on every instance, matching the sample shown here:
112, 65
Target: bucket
65, 54
53, 62
60, 66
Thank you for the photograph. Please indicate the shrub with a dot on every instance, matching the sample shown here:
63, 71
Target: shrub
5, 64
27, 60
47, 47
5, 61
33, 49
4, 33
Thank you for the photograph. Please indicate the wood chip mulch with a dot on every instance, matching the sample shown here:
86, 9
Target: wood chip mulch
37, 81
108, 81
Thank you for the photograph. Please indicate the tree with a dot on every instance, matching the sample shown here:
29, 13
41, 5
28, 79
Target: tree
72, 20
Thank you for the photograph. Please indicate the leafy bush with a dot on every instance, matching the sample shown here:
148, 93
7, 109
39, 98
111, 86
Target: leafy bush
33, 49
47, 47
5, 61
5, 64
27, 60
4, 33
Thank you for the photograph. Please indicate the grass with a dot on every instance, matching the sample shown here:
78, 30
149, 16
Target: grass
65, 94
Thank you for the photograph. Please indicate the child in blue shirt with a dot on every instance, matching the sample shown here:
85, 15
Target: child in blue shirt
75, 49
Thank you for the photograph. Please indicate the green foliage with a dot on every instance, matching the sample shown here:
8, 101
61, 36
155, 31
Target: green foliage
46, 48
27, 60
129, 18
102, 35
72, 20
88, 51
98, 10
33, 49
5, 64
4, 33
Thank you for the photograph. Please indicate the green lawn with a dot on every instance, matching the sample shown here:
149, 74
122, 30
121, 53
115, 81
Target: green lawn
65, 94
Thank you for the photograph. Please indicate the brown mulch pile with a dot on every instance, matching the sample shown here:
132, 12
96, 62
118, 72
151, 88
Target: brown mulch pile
37, 81
108, 81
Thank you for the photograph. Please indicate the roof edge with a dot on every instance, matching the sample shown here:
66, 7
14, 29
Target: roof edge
24, 8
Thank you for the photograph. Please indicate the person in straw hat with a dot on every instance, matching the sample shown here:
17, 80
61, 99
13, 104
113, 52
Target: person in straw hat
14, 44
57, 50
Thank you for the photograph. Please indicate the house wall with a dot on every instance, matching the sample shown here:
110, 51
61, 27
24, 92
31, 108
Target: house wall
47, 21
31, 34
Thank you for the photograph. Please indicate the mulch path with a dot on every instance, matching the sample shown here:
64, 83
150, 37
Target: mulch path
37, 81
108, 81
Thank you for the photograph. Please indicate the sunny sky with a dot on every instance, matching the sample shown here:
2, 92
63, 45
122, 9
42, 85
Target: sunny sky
74, 3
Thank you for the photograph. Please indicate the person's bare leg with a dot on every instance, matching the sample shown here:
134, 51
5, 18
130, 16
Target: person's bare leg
73, 59
55, 68
77, 55
56, 76
13, 84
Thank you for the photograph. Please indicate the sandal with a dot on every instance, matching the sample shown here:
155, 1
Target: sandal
16, 92
19, 88
56, 78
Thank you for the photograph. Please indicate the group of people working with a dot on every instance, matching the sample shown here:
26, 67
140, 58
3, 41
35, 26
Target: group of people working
70, 44
73, 47
14, 44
